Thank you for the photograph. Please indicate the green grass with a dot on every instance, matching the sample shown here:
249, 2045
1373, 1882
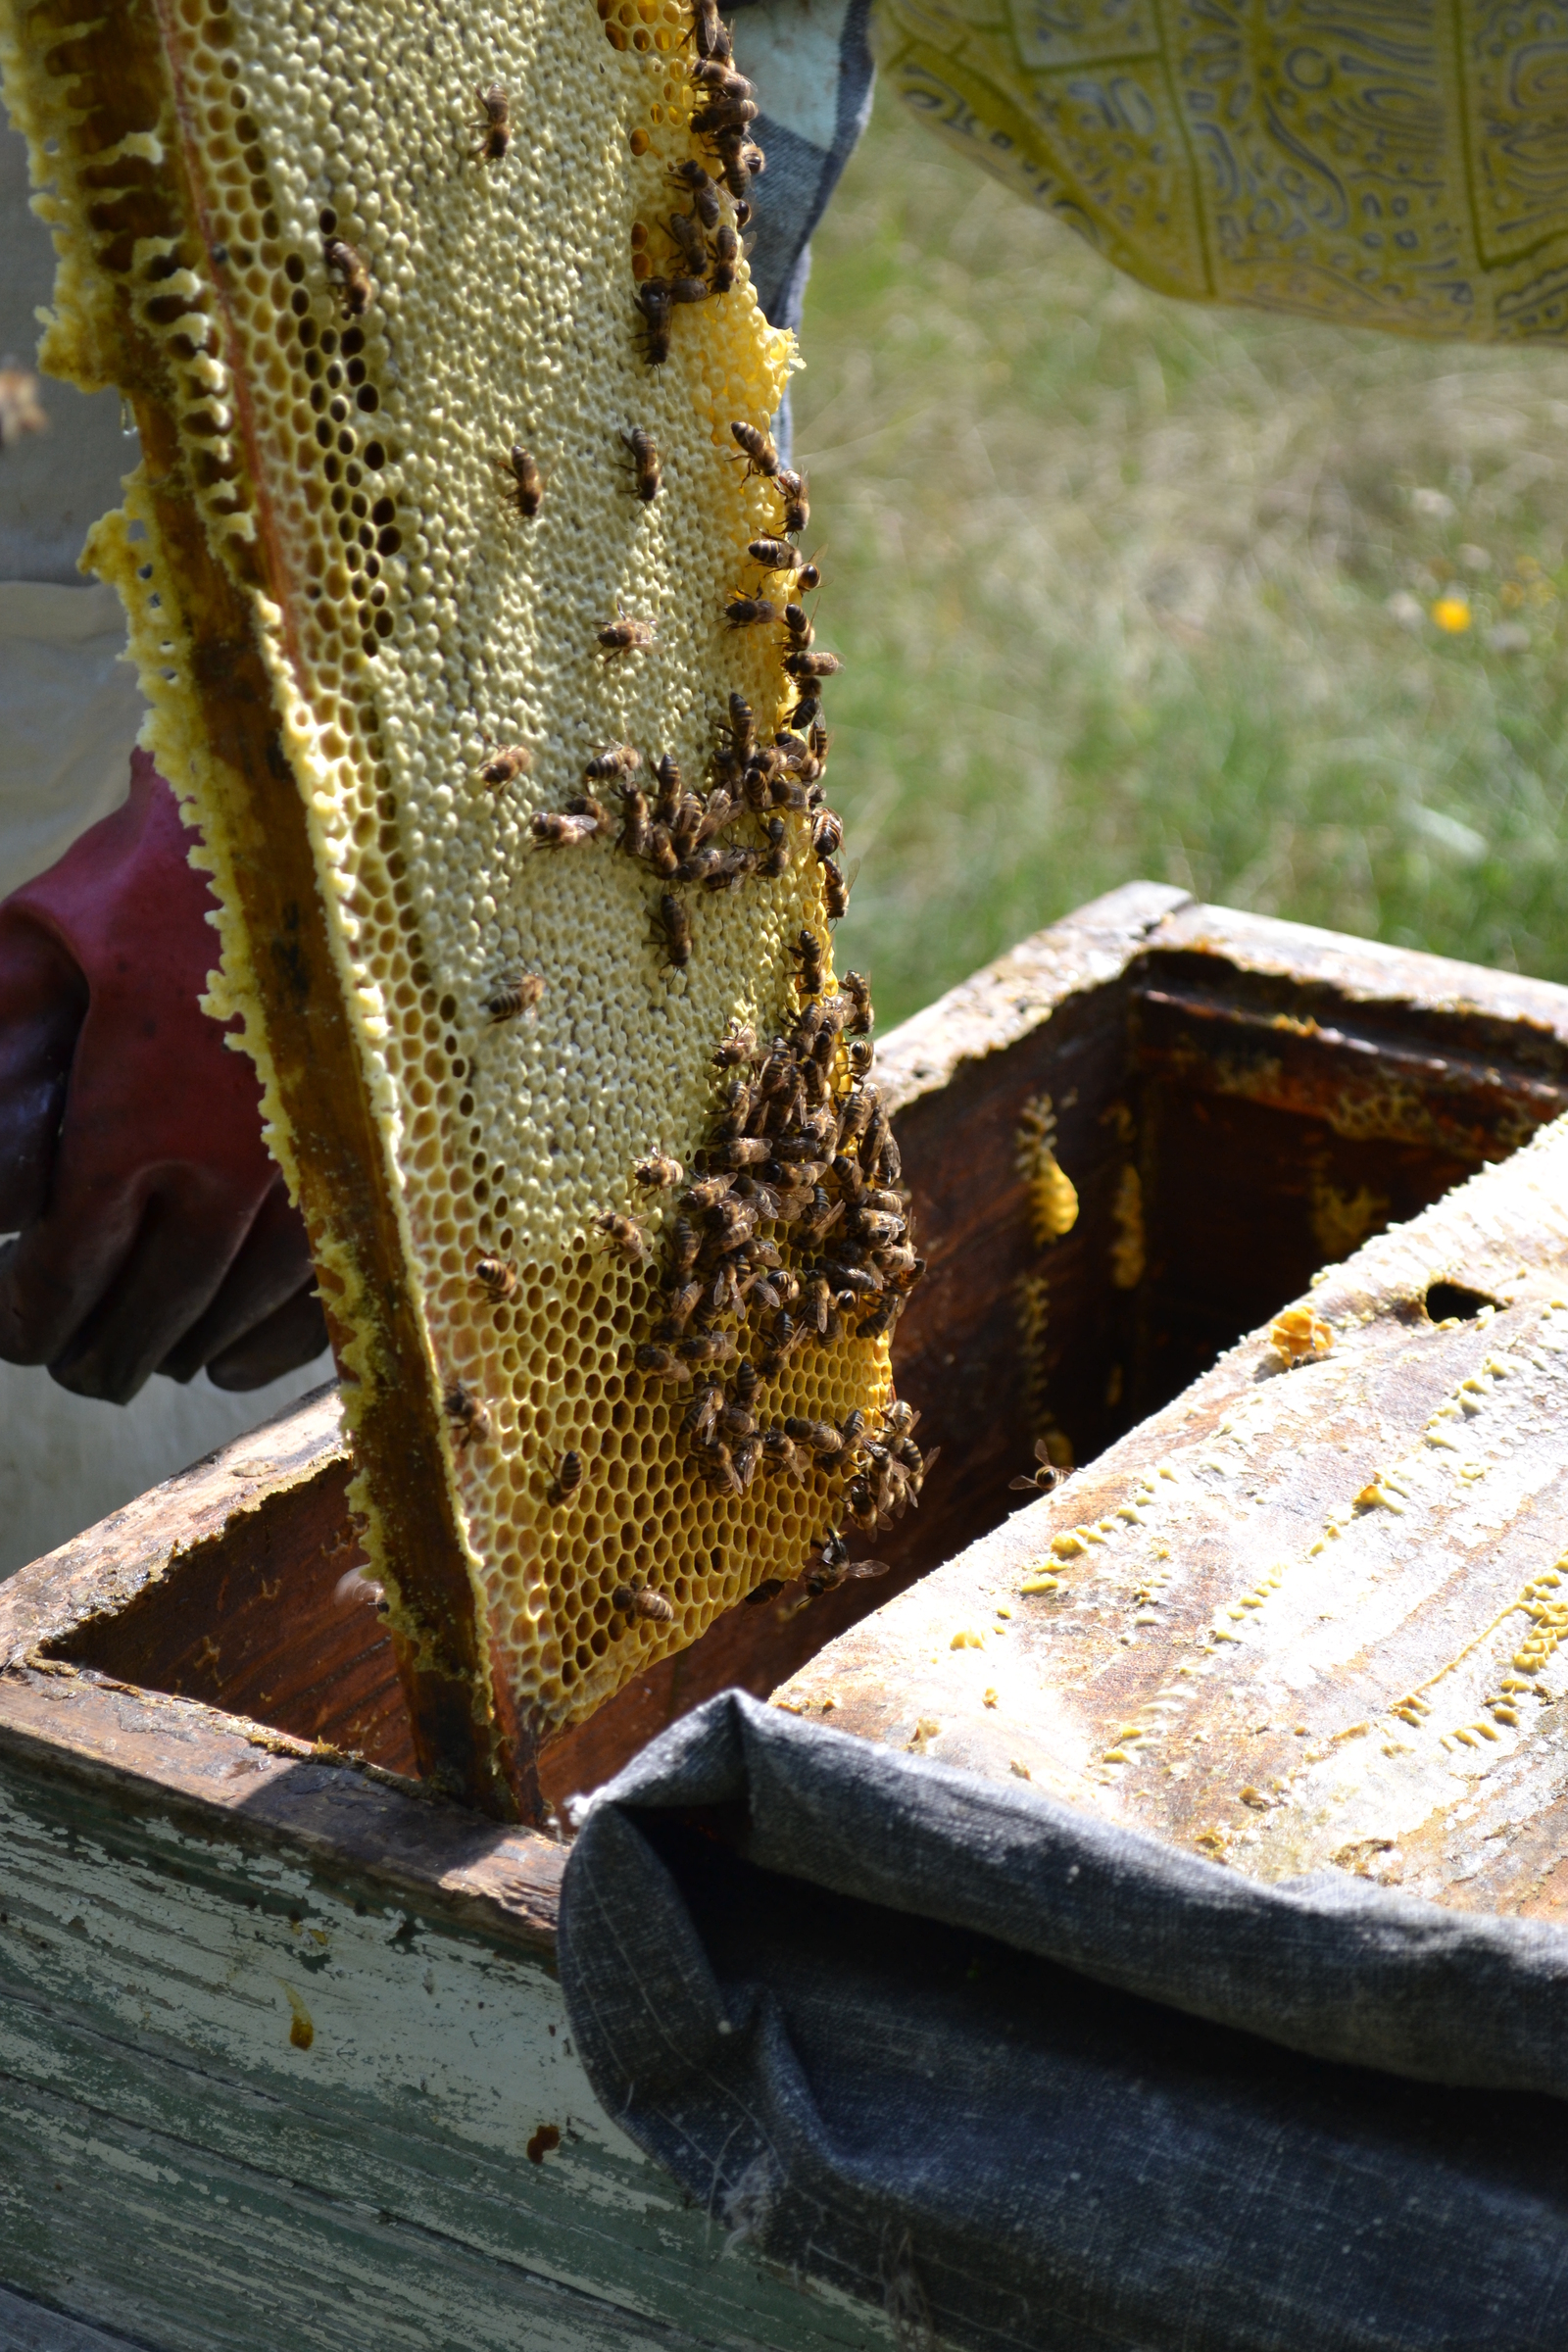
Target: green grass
1128, 587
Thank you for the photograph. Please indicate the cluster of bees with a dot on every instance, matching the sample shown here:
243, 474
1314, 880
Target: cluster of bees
707, 246
794, 1227
678, 834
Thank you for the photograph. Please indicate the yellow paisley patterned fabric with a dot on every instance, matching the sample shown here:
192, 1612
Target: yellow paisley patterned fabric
1401, 163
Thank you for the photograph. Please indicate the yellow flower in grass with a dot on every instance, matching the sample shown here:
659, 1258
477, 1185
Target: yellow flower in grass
1451, 612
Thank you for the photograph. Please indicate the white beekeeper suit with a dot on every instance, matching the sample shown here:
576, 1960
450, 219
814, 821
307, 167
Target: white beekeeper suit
69, 715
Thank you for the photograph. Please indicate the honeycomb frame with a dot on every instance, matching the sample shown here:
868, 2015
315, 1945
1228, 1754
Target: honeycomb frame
337, 618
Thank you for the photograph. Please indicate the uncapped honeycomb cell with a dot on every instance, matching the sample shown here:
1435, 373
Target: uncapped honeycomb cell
372, 313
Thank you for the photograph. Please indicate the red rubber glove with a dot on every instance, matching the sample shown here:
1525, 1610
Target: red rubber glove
154, 1233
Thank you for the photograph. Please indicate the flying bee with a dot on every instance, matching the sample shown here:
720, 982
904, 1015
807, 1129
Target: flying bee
738, 1045
468, 1416
623, 1233
703, 191
616, 760
807, 953
726, 254
567, 1479
653, 300
551, 830
832, 1566
356, 292
672, 927
800, 631
524, 490
761, 457
494, 123
835, 891
512, 994
658, 1173
812, 664
685, 231
749, 612
660, 1365
1041, 1481
637, 1600
498, 1278
628, 636
504, 767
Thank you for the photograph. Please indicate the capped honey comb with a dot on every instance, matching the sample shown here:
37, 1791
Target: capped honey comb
385, 290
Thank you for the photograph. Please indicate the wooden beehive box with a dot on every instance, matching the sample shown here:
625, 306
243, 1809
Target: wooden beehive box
283, 2060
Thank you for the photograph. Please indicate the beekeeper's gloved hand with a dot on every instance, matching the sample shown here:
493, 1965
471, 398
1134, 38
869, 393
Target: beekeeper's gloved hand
153, 1232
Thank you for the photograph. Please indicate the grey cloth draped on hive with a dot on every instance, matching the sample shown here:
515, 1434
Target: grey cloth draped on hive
1026, 2077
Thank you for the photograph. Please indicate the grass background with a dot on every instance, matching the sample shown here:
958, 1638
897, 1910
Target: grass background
1131, 587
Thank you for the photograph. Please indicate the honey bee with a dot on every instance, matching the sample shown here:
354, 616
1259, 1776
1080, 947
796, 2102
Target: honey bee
355, 292
659, 1363
1041, 1481
807, 953
628, 636
710, 36
794, 490
551, 830
812, 665
761, 457
637, 1600
748, 1454
512, 994
682, 1305
703, 191
786, 1334
749, 612
776, 862
726, 254
810, 576
734, 868
494, 125
738, 1045
653, 300
623, 1233
800, 631
835, 891
774, 554
684, 1244
616, 760
498, 1278
671, 791
662, 852
674, 927
524, 491
504, 767
633, 836
707, 1346
719, 75
807, 710
857, 987
685, 231
567, 1479
821, 1438
700, 1422
742, 728
832, 1566
728, 115
658, 1173
688, 289
468, 1416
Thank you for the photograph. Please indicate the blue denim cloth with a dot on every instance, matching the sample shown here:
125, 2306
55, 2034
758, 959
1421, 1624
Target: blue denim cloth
1024, 2077
809, 63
